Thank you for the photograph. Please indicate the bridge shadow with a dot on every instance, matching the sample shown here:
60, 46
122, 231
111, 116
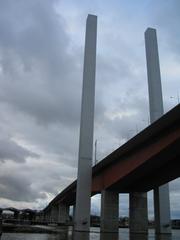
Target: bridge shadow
99, 236
117, 236
68, 234
108, 236
149, 237
138, 237
163, 237
80, 236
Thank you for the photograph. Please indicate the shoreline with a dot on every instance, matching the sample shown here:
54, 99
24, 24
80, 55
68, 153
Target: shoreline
12, 228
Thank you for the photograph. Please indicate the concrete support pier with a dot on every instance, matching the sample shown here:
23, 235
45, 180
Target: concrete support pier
73, 213
16, 215
0, 222
138, 215
45, 217
161, 202
109, 211
161, 194
63, 214
48, 216
154, 77
54, 214
83, 192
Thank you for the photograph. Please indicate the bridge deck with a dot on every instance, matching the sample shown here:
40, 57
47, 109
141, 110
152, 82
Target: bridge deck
149, 159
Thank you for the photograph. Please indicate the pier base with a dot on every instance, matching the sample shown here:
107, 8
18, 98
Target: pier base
54, 214
109, 211
0, 223
162, 210
16, 215
63, 216
73, 213
47, 216
138, 215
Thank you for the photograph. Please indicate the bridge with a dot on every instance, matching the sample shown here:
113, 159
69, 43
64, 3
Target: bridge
148, 160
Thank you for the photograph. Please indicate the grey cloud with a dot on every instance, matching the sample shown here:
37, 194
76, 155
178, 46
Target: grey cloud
34, 180
35, 62
56, 142
54, 186
18, 188
10, 150
166, 16
55, 175
130, 117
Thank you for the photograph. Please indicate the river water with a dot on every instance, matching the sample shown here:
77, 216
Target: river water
67, 234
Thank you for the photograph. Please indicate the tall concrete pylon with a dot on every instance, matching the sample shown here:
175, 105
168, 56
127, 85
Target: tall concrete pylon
161, 194
83, 192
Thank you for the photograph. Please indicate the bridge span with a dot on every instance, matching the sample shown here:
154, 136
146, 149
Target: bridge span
148, 160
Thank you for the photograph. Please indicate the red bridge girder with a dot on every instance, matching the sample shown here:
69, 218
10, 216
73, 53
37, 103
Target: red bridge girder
149, 159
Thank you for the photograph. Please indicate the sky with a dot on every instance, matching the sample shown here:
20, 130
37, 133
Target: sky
41, 62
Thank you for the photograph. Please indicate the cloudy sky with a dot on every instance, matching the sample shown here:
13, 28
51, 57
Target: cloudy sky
41, 61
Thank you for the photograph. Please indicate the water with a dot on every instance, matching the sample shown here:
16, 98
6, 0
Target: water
67, 234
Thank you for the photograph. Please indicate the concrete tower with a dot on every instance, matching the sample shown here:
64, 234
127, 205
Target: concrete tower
161, 194
83, 192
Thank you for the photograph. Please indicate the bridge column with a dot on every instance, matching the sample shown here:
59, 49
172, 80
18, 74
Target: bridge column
138, 215
63, 215
109, 211
45, 219
16, 215
0, 222
41, 217
161, 194
162, 218
49, 218
73, 214
83, 191
54, 213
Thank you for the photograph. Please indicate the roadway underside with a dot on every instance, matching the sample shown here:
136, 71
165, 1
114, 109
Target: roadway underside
148, 160
156, 171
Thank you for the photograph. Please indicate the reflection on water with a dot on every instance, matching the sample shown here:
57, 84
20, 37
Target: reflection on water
67, 234
80, 236
107, 236
163, 237
138, 237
